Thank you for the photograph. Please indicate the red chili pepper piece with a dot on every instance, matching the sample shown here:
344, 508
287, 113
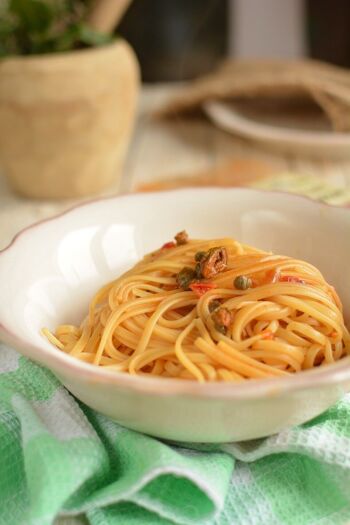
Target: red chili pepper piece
168, 245
202, 288
291, 279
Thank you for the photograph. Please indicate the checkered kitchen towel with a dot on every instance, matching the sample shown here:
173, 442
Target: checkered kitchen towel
60, 458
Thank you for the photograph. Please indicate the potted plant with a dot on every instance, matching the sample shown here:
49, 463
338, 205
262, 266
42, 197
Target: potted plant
68, 93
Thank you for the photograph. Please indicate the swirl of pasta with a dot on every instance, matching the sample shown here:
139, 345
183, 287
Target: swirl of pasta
259, 315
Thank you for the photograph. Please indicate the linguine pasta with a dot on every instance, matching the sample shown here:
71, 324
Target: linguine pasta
211, 310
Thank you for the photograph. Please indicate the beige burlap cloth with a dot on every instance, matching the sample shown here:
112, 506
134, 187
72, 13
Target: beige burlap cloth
325, 85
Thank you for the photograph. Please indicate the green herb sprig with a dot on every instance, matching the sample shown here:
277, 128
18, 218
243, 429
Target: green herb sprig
32, 27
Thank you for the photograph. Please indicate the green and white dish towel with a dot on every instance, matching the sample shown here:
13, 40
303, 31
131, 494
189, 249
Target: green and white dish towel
60, 462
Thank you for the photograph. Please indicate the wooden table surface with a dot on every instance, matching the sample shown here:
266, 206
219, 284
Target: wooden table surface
163, 149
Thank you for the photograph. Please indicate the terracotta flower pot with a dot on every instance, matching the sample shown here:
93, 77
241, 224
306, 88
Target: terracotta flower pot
66, 119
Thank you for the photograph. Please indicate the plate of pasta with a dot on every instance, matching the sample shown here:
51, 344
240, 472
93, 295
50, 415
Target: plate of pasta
222, 318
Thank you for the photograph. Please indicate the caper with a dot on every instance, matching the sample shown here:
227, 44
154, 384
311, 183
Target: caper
213, 305
198, 271
185, 277
242, 282
199, 256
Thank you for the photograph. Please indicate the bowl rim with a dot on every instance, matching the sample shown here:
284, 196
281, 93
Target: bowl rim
62, 363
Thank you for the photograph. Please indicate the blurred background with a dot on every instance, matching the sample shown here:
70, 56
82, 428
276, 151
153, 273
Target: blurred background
75, 124
178, 40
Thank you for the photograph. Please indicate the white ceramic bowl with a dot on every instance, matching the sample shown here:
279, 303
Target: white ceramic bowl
50, 271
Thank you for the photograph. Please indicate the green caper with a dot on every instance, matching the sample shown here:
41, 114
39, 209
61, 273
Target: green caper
199, 256
185, 277
214, 305
242, 282
198, 271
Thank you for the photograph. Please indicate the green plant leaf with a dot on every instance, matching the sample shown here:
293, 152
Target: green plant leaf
67, 40
90, 37
42, 26
33, 15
